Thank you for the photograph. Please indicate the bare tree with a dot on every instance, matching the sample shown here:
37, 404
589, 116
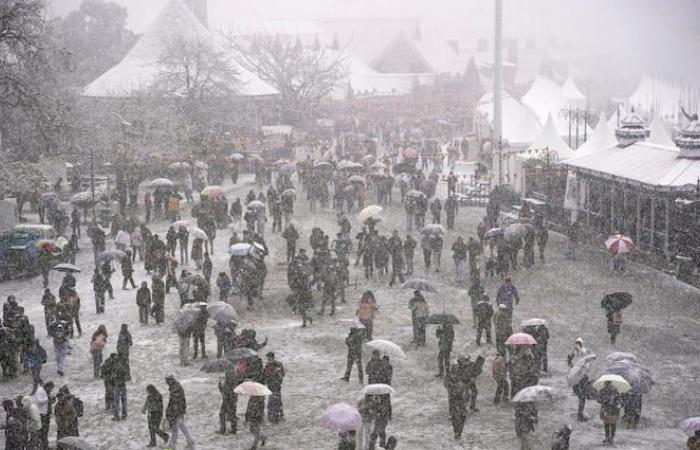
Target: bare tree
302, 76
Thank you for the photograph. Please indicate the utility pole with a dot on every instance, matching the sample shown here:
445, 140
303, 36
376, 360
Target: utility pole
92, 183
498, 87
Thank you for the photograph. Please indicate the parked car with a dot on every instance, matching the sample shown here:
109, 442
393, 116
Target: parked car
19, 254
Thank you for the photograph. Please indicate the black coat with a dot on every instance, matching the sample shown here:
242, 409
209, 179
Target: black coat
177, 404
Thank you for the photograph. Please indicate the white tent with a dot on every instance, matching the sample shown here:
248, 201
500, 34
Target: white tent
662, 97
658, 134
603, 137
572, 94
544, 98
520, 126
140, 67
548, 139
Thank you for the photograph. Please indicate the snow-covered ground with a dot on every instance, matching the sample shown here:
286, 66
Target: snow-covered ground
661, 327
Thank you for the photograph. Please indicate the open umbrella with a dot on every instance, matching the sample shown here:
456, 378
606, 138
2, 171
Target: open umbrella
75, 443
322, 165
341, 418
348, 165
281, 162
181, 223
288, 193
65, 267
519, 339
349, 189
240, 249
419, 284
180, 165
514, 232
288, 169
236, 156
357, 179
494, 232
218, 365
197, 280
198, 233
410, 153
622, 356
387, 347
213, 191
241, 353
254, 157
619, 244
404, 168
638, 376
443, 319
48, 245
221, 312
616, 301
536, 393
81, 198
352, 323
433, 228
377, 389
581, 368
161, 182
620, 384
379, 165
111, 255
187, 315
255, 204
690, 425
534, 322
252, 389
372, 211
414, 193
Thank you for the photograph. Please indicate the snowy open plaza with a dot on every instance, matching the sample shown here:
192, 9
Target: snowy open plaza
321, 226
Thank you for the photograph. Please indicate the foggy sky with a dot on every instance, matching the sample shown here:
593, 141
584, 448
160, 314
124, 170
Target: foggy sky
650, 36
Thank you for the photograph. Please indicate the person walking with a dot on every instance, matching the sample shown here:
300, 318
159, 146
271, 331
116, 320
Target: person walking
291, 236
354, 343
451, 209
254, 415
124, 343
614, 321
35, 358
119, 376
183, 237
175, 413
67, 411
97, 344
107, 271
154, 408
48, 301
436, 210
446, 337
44, 401
59, 333
457, 397
419, 314
143, 301
503, 324
273, 376
396, 250
99, 286
106, 373
380, 412
223, 282
199, 327
158, 299
459, 255
484, 312
499, 371
128, 270
525, 417
366, 312
137, 244
207, 268
610, 403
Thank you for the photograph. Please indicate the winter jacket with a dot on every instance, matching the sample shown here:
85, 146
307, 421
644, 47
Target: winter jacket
98, 342
154, 403
136, 238
273, 375
143, 296
254, 413
66, 416
354, 341
127, 266
124, 343
177, 405
367, 310
499, 368
446, 335
31, 412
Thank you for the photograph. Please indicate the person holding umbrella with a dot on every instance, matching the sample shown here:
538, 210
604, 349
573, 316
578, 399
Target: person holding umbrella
610, 403
446, 337
419, 316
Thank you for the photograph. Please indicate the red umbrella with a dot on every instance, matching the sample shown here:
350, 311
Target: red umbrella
520, 339
410, 152
619, 244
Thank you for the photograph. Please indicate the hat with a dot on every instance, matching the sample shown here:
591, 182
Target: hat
270, 354
502, 306
579, 340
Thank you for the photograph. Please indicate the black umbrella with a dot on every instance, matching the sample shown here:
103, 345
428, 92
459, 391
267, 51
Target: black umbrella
443, 319
616, 301
241, 353
404, 168
218, 365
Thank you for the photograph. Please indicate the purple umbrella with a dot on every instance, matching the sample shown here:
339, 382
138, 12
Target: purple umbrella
341, 418
690, 425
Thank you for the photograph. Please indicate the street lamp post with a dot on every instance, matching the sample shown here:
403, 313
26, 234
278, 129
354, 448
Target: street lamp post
92, 183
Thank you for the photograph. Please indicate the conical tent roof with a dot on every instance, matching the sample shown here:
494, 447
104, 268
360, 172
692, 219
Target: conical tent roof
572, 93
549, 138
602, 138
658, 134
544, 98
140, 67
520, 126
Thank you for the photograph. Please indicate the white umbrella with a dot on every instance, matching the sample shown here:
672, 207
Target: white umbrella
580, 369
379, 165
240, 249
255, 204
252, 389
534, 322
377, 389
65, 267
387, 347
221, 312
162, 182
622, 356
198, 233
620, 384
536, 393
372, 211
75, 443
81, 197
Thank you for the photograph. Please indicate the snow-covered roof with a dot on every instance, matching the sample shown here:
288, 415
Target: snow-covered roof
658, 134
602, 137
140, 67
545, 97
572, 94
548, 139
643, 163
520, 126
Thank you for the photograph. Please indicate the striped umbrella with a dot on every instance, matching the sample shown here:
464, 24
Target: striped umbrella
619, 244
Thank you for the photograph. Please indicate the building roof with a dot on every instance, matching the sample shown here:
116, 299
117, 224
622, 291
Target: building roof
545, 97
548, 139
520, 126
662, 97
572, 94
602, 137
641, 163
140, 67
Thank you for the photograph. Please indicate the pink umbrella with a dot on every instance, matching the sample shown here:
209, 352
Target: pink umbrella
520, 339
212, 191
410, 153
341, 418
690, 425
619, 244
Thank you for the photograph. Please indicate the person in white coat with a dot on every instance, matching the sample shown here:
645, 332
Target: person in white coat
31, 412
